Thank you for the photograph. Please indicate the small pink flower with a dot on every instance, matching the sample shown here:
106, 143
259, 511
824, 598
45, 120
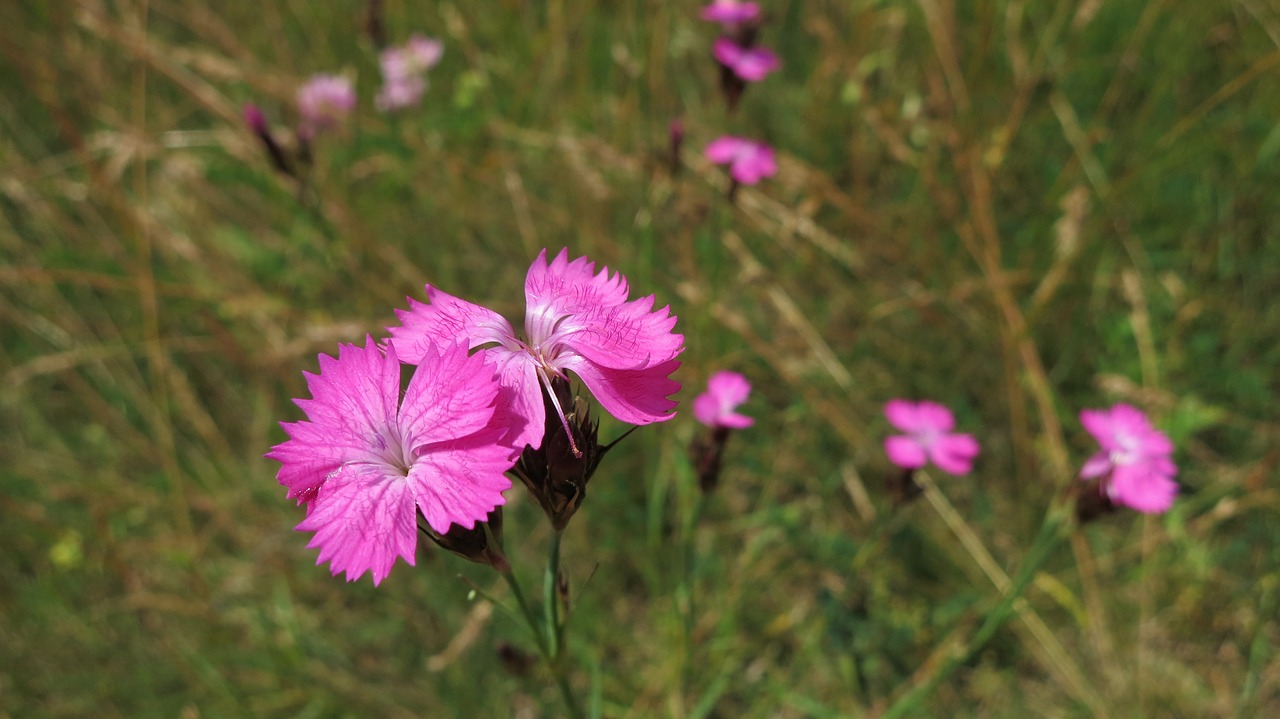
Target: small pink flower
404, 72
324, 102
731, 13
749, 63
716, 407
1135, 455
929, 438
366, 462
576, 320
749, 161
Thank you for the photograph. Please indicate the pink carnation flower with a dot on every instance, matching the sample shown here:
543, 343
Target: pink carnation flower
749, 63
576, 320
324, 102
404, 72
749, 161
929, 438
731, 12
367, 462
715, 407
1135, 455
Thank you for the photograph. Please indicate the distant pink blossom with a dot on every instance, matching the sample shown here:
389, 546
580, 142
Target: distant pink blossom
1136, 459
929, 438
731, 12
717, 406
324, 102
749, 161
404, 72
366, 462
255, 120
576, 320
749, 63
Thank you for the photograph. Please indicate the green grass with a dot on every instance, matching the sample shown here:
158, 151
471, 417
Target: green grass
1020, 209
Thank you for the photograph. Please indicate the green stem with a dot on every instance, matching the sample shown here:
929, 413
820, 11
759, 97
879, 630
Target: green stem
551, 605
549, 634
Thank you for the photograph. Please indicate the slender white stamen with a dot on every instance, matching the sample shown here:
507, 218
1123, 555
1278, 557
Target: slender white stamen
546, 382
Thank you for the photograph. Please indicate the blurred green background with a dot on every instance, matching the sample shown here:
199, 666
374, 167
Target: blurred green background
1019, 209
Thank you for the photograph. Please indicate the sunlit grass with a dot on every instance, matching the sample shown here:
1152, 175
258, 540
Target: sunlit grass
1020, 209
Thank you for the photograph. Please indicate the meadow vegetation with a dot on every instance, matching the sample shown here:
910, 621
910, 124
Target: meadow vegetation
1019, 209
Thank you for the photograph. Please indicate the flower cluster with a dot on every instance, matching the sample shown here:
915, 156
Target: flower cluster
404, 72
324, 102
741, 61
1134, 467
370, 464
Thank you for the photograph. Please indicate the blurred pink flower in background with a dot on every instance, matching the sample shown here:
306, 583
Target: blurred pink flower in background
731, 12
324, 102
1136, 459
749, 161
254, 119
404, 72
749, 63
576, 320
929, 438
716, 407
366, 462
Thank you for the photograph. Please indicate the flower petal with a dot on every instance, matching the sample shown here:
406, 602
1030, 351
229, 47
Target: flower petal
727, 52
1140, 487
706, 409
725, 392
1097, 422
461, 481
363, 518
904, 451
563, 288
444, 321
589, 312
520, 404
1096, 466
755, 165
627, 336
352, 400
634, 396
451, 395
904, 415
724, 150
954, 453
935, 417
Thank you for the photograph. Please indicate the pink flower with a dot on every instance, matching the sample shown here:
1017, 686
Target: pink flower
748, 161
731, 12
749, 63
929, 438
367, 462
404, 72
715, 407
324, 102
1135, 455
576, 320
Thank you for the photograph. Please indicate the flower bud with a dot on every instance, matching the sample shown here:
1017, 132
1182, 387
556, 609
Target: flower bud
555, 474
481, 544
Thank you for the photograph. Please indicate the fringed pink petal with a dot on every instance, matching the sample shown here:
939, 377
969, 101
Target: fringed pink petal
363, 518
446, 320
633, 396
